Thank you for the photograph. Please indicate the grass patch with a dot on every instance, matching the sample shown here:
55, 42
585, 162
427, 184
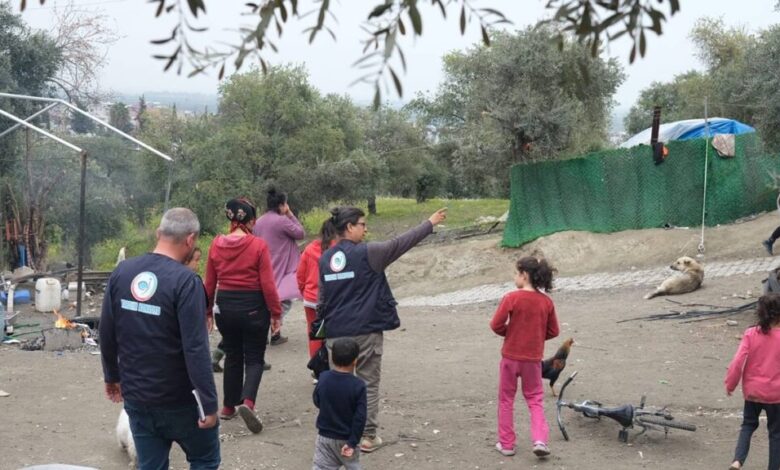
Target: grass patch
396, 215
136, 240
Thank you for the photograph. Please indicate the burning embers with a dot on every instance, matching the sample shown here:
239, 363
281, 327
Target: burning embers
67, 334
64, 335
63, 322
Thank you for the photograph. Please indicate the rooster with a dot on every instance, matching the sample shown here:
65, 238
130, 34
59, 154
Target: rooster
552, 367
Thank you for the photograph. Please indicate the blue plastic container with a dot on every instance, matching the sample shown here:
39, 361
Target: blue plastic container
21, 296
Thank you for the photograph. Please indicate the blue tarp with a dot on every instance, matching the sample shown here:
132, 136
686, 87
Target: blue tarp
689, 129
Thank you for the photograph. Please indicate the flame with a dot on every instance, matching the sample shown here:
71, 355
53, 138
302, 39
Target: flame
63, 322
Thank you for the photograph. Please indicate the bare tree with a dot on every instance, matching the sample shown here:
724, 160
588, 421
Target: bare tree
27, 202
83, 38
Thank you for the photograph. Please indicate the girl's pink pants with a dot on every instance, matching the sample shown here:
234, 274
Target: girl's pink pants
530, 375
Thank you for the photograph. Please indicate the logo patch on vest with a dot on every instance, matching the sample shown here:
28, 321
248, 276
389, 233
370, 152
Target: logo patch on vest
144, 286
338, 262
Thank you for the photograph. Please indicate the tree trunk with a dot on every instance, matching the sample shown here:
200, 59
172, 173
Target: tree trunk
372, 204
36, 242
12, 226
34, 225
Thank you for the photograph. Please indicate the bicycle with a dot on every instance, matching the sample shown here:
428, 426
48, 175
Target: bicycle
627, 416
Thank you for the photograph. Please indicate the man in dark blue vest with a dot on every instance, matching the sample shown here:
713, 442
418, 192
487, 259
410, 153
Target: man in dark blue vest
355, 298
155, 349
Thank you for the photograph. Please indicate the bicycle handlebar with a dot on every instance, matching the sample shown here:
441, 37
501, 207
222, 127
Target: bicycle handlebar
560, 403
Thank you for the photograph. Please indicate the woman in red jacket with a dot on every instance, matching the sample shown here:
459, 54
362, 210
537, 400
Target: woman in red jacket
308, 275
248, 306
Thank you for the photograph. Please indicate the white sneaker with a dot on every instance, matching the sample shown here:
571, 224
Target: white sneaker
505, 452
250, 418
369, 444
541, 450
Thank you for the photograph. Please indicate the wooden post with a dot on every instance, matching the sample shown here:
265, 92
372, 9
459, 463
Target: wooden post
82, 223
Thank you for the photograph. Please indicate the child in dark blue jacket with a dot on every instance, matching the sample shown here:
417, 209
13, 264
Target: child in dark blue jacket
341, 398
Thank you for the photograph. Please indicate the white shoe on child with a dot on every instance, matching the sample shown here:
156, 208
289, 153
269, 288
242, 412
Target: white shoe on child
504, 452
541, 450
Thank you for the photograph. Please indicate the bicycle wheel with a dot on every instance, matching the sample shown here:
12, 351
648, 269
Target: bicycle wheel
667, 423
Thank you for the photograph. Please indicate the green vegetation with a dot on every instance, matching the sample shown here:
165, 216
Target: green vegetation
592, 23
395, 215
521, 99
739, 82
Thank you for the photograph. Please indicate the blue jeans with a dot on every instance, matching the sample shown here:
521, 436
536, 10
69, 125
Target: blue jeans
156, 428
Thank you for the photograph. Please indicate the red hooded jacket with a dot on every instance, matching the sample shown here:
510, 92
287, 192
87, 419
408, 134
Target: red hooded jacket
308, 273
242, 263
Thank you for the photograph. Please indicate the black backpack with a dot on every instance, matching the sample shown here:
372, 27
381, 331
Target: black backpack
319, 362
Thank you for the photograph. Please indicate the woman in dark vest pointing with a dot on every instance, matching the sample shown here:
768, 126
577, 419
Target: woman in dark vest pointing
355, 298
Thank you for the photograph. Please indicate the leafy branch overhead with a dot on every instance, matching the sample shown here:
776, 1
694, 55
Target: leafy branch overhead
591, 21
594, 21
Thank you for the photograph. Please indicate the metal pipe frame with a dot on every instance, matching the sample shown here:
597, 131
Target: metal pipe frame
28, 119
21, 122
96, 119
83, 160
82, 198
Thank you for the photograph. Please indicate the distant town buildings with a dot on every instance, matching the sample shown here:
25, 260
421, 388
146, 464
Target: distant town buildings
59, 118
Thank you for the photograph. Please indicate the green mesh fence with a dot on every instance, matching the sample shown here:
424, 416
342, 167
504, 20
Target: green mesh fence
624, 189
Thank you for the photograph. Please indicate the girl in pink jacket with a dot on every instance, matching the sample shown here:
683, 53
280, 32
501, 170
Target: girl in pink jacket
757, 364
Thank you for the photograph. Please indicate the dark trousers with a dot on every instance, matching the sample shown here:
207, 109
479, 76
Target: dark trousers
775, 235
155, 429
244, 335
750, 424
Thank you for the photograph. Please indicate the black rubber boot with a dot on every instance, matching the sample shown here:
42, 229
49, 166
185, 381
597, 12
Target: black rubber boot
768, 243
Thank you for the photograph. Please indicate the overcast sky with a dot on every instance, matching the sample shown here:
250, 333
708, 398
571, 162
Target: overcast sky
131, 68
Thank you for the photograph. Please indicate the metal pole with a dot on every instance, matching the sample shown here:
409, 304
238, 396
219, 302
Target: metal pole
40, 131
701, 247
82, 223
3, 241
28, 97
168, 188
99, 121
29, 118
123, 134
83, 153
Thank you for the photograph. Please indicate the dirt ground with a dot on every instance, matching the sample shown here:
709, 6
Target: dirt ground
471, 262
440, 372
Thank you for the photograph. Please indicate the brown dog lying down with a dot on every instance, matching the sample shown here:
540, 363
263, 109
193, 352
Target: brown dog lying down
692, 274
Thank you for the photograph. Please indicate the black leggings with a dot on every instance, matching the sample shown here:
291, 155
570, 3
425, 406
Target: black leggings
244, 322
750, 424
775, 235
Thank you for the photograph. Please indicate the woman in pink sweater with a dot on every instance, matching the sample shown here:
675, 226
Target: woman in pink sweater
281, 230
757, 364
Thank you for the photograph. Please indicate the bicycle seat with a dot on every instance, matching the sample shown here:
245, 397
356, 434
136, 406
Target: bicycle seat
622, 414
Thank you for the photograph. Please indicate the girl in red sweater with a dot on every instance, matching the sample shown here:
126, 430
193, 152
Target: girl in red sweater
308, 276
526, 319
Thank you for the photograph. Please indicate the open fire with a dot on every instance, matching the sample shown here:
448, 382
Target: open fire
63, 322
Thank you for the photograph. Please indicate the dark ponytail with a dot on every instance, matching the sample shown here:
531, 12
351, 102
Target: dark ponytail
336, 224
192, 255
274, 199
768, 312
539, 272
328, 231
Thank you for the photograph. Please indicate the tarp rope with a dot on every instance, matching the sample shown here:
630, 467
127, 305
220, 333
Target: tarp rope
706, 165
